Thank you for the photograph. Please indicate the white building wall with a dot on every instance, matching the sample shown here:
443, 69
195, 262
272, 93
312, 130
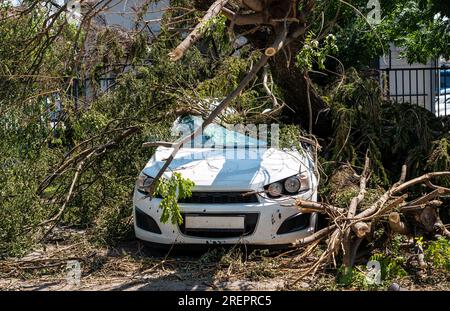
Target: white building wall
122, 13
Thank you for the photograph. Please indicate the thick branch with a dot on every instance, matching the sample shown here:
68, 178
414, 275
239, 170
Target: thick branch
396, 224
415, 208
268, 90
314, 237
323, 208
352, 211
428, 197
361, 229
362, 190
282, 33
157, 144
419, 180
198, 31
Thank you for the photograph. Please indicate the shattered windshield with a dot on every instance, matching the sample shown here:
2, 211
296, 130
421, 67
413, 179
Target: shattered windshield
214, 135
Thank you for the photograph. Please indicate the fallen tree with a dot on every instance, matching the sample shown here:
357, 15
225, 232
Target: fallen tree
350, 226
286, 27
281, 16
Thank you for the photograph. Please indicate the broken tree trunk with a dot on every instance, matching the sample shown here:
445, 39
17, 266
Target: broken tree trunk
198, 31
391, 206
397, 225
282, 39
282, 32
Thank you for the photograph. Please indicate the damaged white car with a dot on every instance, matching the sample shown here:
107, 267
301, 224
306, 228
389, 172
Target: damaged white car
244, 191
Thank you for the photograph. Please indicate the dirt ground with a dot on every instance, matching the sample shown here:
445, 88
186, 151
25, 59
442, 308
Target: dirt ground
131, 266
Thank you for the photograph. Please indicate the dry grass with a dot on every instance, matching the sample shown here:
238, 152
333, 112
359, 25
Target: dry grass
130, 266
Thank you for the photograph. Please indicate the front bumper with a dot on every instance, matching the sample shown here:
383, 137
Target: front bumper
271, 215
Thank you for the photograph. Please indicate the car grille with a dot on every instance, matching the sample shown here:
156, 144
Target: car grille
220, 198
251, 219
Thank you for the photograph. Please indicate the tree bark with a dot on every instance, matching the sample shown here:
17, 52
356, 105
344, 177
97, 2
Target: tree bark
347, 240
396, 224
198, 31
293, 85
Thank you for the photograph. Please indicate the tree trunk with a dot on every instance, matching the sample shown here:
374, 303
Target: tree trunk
396, 224
294, 87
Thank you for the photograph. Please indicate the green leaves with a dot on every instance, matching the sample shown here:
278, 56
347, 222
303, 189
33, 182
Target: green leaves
438, 252
172, 189
424, 34
314, 51
420, 27
391, 266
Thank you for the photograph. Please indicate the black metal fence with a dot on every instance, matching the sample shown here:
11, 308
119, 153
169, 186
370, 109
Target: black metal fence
428, 87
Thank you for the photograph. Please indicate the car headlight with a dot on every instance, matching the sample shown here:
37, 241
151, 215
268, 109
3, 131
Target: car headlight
143, 183
288, 186
292, 184
275, 189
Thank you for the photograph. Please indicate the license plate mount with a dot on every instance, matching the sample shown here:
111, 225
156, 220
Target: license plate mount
215, 222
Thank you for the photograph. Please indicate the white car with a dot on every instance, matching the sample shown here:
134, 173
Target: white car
243, 193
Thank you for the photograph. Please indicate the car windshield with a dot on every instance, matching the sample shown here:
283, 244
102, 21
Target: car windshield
214, 135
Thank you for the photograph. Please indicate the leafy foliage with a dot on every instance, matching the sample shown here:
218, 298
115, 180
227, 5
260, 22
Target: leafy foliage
420, 27
415, 26
395, 134
438, 252
32, 147
391, 265
171, 189
313, 52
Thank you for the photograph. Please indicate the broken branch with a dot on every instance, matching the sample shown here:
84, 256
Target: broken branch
396, 224
198, 31
282, 32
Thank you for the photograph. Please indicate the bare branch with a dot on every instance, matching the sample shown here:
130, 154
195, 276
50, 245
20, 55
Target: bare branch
282, 32
198, 31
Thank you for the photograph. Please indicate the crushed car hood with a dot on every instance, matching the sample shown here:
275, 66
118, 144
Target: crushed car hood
230, 169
